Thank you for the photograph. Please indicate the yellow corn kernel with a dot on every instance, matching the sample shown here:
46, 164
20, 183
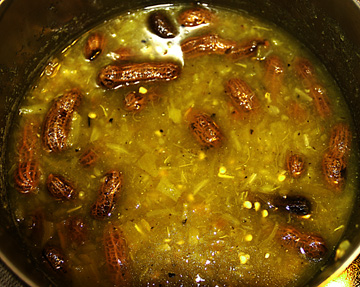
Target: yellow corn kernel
222, 170
92, 115
248, 237
268, 97
281, 177
143, 90
202, 155
247, 204
257, 206
190, 197
244, 258
264, 213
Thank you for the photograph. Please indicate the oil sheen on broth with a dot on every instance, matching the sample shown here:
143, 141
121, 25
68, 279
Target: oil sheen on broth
182, 146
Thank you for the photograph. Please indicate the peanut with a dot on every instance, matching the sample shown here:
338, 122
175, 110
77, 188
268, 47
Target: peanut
117, 255
58, 120
94, 46
205, 130
27, 173
295, 164
310, 245
108, 195
113, 76
60, 188
195, 17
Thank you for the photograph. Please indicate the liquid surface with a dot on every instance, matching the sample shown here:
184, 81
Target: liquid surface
228, 164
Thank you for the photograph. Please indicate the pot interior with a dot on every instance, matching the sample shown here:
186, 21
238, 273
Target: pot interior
33, 31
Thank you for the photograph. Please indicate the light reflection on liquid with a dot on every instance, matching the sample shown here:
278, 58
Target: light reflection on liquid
341, 281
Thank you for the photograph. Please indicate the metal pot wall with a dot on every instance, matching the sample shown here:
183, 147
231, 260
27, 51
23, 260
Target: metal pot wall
31, 30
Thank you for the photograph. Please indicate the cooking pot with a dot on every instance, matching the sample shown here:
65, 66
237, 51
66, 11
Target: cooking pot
30, 31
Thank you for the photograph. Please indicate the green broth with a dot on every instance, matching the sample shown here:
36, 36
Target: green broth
182, 206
